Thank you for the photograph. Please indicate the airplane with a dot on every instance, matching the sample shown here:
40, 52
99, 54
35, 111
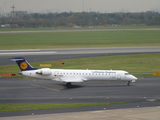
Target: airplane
70, 76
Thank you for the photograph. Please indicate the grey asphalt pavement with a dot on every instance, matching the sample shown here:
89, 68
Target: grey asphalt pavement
143, 93
77, 30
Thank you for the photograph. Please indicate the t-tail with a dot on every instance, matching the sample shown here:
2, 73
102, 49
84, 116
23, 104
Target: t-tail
23, 64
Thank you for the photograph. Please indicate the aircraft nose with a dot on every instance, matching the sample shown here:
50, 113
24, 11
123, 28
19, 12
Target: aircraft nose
134, 78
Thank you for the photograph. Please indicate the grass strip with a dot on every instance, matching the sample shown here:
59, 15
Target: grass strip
84, 39
42, 106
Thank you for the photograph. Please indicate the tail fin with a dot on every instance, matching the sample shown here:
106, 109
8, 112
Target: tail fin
23, 64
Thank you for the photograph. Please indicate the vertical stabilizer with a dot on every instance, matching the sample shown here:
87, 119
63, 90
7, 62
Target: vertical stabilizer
23, 64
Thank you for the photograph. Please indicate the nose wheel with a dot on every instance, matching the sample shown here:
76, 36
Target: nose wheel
128, 83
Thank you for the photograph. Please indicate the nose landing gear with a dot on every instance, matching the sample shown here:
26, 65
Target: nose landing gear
128, 83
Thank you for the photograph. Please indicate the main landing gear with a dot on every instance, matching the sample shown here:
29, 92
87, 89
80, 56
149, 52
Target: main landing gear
128, 83
69, 85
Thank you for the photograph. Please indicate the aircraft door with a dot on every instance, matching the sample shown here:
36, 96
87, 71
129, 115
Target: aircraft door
119, 76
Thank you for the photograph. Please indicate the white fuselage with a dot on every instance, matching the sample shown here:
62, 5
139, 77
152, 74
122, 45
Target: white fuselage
64, 75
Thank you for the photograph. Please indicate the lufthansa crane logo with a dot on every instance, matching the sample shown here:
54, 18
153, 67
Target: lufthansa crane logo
23, 65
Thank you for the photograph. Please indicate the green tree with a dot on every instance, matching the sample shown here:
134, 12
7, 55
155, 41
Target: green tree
32, 22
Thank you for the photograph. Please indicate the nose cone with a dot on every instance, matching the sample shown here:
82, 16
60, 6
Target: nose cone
134, 78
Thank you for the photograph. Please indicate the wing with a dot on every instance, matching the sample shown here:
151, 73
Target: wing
72, 80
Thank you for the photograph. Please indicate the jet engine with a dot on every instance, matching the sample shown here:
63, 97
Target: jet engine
44, 71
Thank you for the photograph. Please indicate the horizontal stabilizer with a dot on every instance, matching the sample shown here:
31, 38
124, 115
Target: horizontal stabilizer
17, 59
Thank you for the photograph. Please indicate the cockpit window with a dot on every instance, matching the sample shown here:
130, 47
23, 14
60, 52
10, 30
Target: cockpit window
127, 74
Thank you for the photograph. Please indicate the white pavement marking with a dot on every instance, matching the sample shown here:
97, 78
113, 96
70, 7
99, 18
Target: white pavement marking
81, 51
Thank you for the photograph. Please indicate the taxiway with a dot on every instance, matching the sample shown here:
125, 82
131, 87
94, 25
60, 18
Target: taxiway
75, 30
143, 93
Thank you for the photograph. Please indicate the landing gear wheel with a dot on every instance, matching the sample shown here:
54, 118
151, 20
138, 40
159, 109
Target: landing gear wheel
128, 83
69, 85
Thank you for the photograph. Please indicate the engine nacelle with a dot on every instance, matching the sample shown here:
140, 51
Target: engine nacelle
44, 71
